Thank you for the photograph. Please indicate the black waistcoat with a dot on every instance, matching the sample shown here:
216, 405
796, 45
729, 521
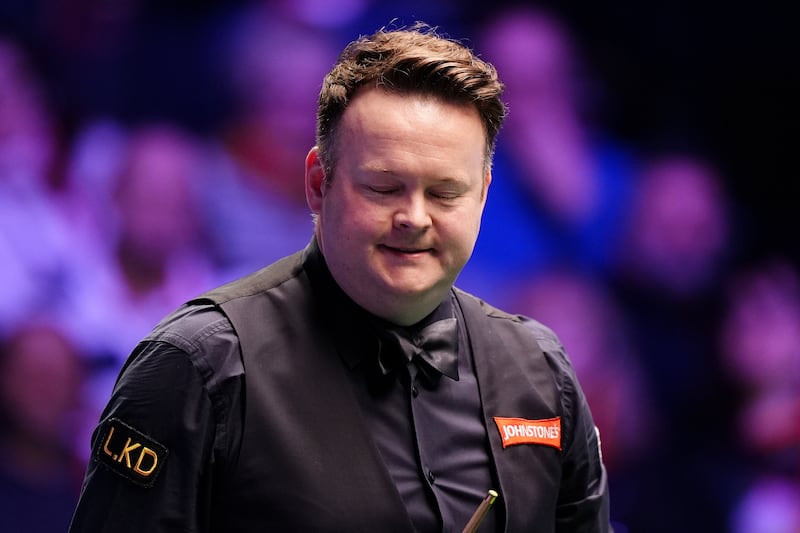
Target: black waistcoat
308, 462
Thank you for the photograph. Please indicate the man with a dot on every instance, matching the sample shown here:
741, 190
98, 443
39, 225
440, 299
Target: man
350, 387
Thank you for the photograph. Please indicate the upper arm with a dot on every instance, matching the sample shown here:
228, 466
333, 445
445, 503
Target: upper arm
151, 451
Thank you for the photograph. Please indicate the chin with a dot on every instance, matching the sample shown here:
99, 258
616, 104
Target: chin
402, 284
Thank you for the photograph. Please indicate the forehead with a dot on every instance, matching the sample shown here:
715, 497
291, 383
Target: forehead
377, 112
411, 132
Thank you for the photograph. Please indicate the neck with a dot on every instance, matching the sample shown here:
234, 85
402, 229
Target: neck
401, 312
407, 317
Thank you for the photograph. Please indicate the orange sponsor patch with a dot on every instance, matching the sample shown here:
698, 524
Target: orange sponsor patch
523, 431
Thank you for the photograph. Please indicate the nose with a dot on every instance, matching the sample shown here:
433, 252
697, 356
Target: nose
413, 213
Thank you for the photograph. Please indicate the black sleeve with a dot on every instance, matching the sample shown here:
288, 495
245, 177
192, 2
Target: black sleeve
583, 497
583, 500
151, 458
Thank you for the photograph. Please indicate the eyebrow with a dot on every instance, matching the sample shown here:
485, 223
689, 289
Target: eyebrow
389, 172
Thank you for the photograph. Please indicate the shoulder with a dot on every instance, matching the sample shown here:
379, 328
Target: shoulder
513, 323
201, 331
190, 326
536, 347
525, 338
266, 279
196, 338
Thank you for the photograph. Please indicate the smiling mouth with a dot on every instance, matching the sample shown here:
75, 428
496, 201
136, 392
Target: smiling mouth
407, 251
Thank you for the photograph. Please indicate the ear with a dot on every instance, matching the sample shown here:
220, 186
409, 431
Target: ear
315, 181
487, 180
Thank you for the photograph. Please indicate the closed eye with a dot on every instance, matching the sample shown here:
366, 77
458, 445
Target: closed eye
445, 195
383, 190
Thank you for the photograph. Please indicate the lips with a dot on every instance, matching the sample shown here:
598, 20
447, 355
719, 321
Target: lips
407, 250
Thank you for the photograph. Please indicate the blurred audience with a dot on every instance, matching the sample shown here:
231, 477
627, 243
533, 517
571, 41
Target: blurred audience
255, 198
147, 253
668, 279
669, 271
35, 241
561, 185
41, 467
679, 235
760, 349
137, 185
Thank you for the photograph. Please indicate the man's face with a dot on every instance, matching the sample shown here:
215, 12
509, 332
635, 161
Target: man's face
400, 217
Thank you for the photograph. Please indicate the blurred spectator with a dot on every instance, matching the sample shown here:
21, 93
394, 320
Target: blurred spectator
560, 188
668, 280
35, 244
95, 158
41, 376
255, 196
146, 254
760, 350
668, 275
595, 334
679, 236
276, 67
28, 142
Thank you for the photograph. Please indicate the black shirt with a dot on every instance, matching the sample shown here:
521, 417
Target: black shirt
188, 372
185, 384
430, 432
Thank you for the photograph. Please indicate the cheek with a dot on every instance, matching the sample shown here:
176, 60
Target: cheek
460, 232
347, 222
359, 217
467, 222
